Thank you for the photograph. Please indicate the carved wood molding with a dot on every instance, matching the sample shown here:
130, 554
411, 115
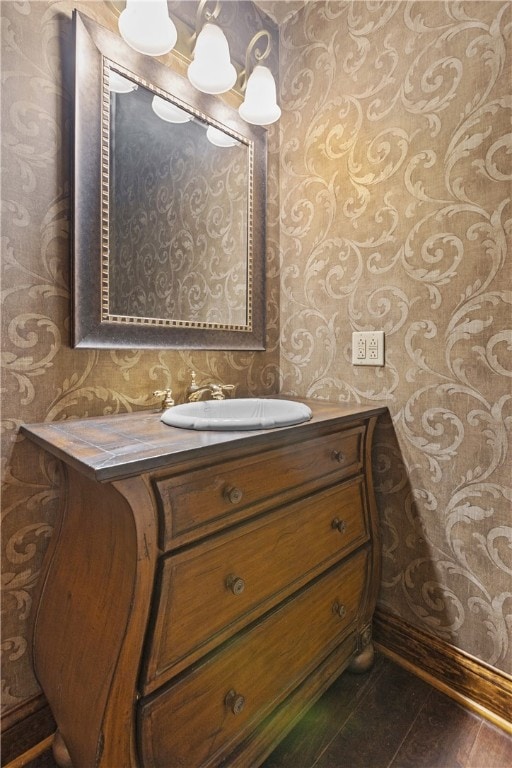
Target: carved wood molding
471, 682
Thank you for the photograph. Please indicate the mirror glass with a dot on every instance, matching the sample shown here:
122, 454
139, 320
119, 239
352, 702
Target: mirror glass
178, 199
168, 206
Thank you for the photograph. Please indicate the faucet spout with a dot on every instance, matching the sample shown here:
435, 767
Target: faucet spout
217, 392
198, 394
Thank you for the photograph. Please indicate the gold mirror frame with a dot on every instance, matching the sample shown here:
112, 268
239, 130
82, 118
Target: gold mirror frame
94, 326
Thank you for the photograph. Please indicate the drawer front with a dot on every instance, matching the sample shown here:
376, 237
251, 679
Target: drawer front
200, 501
209, 590
201, 718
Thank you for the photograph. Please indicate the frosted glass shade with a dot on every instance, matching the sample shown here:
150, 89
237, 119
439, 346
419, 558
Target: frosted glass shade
169, 112
119, 84
146, 27
260, 105
211, 71
219, 138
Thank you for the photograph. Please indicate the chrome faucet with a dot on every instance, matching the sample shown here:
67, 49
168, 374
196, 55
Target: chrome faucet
217, 391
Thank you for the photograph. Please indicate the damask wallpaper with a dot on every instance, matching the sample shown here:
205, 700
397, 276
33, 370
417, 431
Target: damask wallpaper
43, 379
396, 214
389, 206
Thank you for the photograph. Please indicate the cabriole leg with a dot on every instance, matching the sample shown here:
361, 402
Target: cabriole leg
363, 660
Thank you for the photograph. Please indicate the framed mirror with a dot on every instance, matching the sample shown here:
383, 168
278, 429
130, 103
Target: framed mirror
169, 207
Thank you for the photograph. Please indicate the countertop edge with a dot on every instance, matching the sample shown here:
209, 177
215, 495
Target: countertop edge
110, 467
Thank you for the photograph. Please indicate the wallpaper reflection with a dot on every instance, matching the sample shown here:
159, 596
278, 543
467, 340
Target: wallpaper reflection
178, 214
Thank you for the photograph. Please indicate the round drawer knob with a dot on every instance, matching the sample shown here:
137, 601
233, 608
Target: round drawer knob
339, 609
235, 702
235, 584
338, 456
339, 525
233, 495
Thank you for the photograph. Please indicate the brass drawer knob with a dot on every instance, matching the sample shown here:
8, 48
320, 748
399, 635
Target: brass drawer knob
339, 525
339, 609
338, 456
233, 495
235, 584
234, 701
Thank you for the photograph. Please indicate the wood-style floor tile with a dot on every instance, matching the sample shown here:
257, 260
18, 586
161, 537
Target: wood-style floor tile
492, 749
443, 734
378, 725
323, 721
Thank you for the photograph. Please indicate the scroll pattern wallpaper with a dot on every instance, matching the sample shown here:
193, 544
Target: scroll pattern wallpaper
178, 219
43, 379
389, 206
396, 214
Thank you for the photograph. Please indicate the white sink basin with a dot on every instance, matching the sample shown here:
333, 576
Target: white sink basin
238, 414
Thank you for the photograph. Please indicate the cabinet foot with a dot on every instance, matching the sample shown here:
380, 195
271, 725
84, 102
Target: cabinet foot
60, 752
363, 662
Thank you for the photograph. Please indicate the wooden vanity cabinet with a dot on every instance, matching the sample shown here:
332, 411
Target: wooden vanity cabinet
202, 589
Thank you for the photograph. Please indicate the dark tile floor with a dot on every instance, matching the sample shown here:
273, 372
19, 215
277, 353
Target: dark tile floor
390, 718
387, 718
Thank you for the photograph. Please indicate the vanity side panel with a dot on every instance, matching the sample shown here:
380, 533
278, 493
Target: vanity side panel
86, 633
364, 659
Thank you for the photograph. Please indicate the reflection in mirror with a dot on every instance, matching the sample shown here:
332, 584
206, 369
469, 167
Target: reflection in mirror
178, 213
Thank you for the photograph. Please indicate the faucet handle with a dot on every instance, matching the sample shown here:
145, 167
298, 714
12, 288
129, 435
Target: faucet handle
166, 394
218, 390
193, 386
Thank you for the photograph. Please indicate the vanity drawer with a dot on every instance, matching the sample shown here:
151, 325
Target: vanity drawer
200, 718
200, 501
208, 591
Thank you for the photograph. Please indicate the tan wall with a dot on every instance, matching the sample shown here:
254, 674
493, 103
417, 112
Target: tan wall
396, 215
43, 378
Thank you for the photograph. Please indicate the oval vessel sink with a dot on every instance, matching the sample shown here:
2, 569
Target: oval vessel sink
238, 414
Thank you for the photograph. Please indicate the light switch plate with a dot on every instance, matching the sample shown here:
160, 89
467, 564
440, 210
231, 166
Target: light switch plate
368, 348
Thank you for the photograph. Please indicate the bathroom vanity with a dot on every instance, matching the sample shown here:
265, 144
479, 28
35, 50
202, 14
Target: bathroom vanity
202, 589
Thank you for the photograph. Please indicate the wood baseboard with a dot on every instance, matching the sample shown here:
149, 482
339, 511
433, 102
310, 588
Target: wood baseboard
31, 754
26, 727
471, 682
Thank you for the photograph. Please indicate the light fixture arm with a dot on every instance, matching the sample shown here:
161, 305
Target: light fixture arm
259, 54
203, 15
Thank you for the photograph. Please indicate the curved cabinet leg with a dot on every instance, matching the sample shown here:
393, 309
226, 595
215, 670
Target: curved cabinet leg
60, 752
365, 656
363, 662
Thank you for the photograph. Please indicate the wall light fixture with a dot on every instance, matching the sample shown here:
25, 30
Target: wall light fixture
146, 27
260, 104
211, 70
